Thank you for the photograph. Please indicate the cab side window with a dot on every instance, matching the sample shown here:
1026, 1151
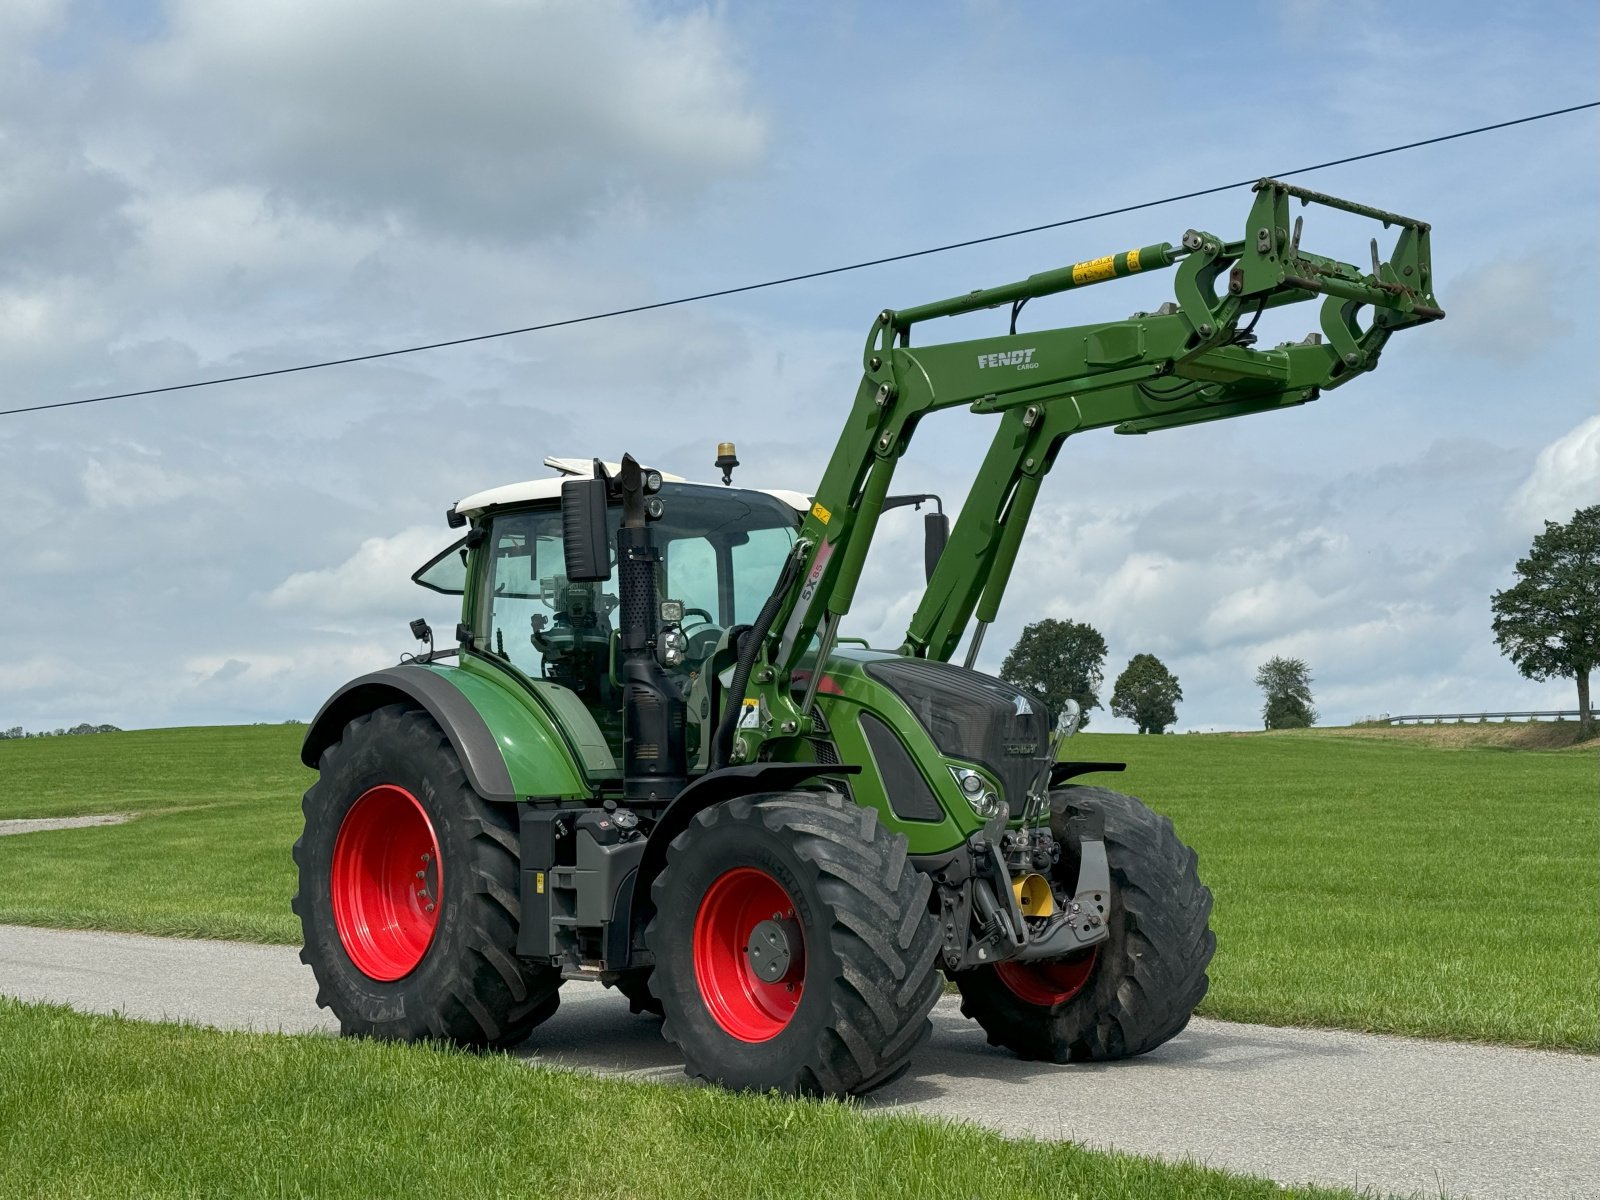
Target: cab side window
539, 621
522, 545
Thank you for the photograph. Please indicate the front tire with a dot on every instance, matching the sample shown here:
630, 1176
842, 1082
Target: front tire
1133, 991
635, 988
794, 948
408, 892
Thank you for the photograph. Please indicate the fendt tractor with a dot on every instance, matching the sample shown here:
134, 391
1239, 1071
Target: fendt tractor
654, 761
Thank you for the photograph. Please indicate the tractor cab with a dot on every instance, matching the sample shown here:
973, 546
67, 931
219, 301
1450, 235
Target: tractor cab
721, 550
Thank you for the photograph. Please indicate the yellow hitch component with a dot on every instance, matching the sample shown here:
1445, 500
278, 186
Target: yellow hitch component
1033, 895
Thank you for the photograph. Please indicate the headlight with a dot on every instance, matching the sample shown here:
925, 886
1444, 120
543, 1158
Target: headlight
984, 800
669, 647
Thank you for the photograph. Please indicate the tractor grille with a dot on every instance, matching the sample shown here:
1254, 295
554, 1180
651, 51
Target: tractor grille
975, 717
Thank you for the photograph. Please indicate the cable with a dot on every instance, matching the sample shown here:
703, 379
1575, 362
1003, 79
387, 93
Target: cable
1016, 311
803, 276
1247, 335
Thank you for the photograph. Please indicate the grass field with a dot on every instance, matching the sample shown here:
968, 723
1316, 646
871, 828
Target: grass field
99, 1106
1407, 881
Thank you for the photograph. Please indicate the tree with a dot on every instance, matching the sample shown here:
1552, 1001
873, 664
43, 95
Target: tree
1286, 683
1548, 622
1147, 694
1059, 661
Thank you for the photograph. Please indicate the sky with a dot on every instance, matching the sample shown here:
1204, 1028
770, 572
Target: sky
202, 188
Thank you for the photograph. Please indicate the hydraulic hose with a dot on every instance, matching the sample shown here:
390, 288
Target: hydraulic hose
749, 645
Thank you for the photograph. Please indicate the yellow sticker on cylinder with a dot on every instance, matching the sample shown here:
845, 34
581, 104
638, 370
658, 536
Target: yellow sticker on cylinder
821, 513
1095, 269
1133, 260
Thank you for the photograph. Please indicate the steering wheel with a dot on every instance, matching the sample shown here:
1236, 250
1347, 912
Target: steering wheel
705, 618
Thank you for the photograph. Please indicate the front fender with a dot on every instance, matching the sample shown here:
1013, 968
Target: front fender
507, 748
714, 788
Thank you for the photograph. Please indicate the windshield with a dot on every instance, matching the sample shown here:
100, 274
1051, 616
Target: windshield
722, 550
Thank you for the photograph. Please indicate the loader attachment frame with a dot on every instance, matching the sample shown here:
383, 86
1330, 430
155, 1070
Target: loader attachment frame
1193, 360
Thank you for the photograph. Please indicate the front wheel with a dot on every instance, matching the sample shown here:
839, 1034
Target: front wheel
1133, 991
635, 988
794, 948
408, 892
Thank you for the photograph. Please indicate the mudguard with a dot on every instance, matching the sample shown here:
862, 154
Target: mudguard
527, 758
1063, 771
714, 788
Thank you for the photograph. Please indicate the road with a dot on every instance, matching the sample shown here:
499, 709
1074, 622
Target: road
1396, 1114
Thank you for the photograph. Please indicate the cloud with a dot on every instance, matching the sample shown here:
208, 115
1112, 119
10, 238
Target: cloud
131, 477
1504, 311
373, 581
1565, 478
483, 119
205, 188
37, 671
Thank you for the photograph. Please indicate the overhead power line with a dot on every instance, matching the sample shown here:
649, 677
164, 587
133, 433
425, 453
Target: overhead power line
802, 276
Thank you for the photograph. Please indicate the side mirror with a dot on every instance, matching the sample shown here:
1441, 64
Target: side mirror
583, 530
935, 535
1067, 723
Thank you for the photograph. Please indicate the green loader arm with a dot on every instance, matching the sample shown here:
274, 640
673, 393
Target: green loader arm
1191, 361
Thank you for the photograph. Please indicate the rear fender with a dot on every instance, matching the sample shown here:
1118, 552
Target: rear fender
507, 747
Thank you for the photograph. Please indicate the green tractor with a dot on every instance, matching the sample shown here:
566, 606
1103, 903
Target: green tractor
653, 761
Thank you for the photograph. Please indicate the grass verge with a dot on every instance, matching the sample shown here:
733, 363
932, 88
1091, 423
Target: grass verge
100, 1106
1378, 882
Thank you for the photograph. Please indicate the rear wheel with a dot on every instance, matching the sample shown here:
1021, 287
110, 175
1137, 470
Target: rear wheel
793, 946
1133, 991
408, 892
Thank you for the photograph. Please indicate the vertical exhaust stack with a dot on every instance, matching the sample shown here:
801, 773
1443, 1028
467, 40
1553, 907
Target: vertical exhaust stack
654, 751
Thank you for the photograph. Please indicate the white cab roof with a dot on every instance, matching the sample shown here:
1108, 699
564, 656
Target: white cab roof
579, 468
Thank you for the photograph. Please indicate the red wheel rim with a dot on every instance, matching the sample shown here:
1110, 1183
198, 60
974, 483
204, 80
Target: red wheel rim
386, 882
740, 1001
1048, 983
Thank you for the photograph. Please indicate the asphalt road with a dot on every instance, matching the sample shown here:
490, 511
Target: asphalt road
1395, 1114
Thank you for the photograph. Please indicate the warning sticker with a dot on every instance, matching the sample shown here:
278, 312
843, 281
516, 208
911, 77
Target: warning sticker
750, 717
821, 513
1095, 269
1133, 260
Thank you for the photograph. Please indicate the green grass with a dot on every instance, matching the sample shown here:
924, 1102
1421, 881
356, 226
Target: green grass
1406, 883
210, 857
1387, 883
100, 1106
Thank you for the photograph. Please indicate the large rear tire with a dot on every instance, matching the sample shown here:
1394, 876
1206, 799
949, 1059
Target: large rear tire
407, 895
1133, 991
794, 947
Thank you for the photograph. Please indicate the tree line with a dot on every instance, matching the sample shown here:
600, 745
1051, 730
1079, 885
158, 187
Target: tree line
1065, 660
1547, 623
16, 732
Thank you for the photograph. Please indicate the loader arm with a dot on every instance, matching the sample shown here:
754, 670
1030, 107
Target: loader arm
1188, 362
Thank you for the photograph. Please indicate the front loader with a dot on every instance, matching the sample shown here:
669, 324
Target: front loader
652, 761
